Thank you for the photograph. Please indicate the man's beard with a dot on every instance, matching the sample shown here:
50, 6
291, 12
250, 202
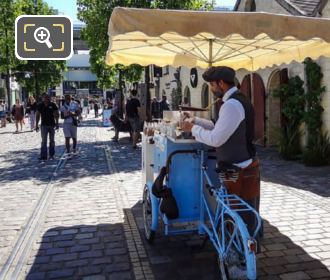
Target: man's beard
219, 94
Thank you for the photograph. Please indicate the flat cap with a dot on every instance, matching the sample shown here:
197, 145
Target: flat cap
218, 73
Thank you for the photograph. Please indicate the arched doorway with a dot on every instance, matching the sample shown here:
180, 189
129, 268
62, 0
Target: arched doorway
186, 95
273, 105
258, 100
250, 6
205, 96
253, 87
246, 86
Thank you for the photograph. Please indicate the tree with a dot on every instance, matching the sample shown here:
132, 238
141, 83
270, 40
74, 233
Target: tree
42, 74
293, 106
7, 41
96, 15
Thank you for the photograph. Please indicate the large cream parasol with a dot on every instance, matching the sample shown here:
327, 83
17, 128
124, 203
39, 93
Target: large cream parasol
200, 39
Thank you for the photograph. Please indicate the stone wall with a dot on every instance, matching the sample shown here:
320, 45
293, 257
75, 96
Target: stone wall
265, 6
326, 11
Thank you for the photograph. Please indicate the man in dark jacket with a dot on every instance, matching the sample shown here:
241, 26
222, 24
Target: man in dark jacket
133, 108
48, 112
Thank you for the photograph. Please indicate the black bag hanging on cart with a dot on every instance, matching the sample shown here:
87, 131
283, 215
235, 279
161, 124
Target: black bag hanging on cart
157, 187
168, 204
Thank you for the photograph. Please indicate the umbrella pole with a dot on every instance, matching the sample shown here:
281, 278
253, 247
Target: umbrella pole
210, 52
210, 65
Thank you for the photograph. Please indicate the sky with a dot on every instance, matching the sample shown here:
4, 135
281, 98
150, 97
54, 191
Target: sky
69, 7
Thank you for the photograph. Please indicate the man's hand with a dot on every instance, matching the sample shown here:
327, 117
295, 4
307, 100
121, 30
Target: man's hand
57, 127
37, 128
187, 115
186, 126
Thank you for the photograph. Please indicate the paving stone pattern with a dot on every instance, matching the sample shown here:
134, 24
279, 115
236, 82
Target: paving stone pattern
93, 228
83, 233
296, 225
22, 179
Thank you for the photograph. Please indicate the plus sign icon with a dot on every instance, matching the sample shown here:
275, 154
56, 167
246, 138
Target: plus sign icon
43, 37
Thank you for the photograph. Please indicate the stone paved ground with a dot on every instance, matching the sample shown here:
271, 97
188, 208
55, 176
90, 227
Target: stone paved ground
93, 226
21, 182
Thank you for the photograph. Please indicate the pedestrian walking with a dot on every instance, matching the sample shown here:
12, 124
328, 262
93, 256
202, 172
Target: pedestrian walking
31, 110
117, 111
155, 108
70, 112
48, 112
96, 109
164, 106
3, 113
18, 113
133, 112
85, 111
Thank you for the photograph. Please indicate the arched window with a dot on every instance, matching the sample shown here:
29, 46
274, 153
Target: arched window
205, 96
250, 6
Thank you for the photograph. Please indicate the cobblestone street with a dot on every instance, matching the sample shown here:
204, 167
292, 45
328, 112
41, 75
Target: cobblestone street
84, 221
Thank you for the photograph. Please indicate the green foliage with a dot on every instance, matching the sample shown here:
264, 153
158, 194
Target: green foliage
293, 105
96, 15
288, 142
176, 94
292, 100
43, 74
183, 4
318, 154
317, 151
314, 93
2, 93
7, 35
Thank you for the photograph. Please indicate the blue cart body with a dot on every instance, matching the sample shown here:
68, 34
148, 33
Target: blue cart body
184, 180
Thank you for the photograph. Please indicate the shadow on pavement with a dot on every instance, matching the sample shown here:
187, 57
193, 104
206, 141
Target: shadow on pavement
86, 250
293, 173
24, 165
181, 257
13, 132
79, 251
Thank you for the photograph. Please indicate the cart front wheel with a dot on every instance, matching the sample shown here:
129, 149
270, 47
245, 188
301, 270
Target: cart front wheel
147, 215
238, 262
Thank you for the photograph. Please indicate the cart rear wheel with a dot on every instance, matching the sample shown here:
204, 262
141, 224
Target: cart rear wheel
239, 262
147, 215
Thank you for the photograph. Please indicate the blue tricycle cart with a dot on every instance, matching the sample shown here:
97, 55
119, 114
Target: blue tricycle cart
204, 206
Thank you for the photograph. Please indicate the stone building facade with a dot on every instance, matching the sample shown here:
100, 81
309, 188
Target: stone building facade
259, 85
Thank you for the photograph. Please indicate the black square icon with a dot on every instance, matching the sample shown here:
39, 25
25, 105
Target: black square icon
43, 37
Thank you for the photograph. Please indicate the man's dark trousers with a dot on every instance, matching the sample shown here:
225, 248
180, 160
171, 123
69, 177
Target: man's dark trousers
45, 130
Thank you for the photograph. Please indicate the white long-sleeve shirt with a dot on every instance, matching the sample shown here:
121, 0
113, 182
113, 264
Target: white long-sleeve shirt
231, 114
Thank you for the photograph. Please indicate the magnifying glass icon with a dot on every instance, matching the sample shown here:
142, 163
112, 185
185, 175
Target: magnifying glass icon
41, 35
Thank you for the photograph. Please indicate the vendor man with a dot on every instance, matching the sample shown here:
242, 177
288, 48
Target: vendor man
232, 136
